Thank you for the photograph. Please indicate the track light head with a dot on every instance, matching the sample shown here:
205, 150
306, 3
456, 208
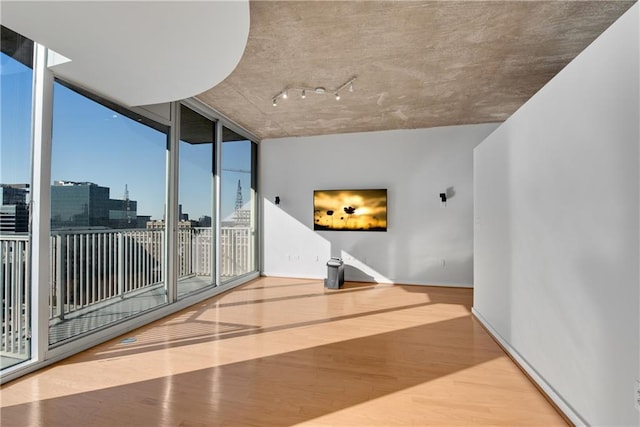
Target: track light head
285, 95
275, 102
337, 97
304, 94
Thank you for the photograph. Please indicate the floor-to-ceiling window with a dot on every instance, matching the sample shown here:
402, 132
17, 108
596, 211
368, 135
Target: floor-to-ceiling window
16, 86
196, 239
107, 209
101, 247
238, 206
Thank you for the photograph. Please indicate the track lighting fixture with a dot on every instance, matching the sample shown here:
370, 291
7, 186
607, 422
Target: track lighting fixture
284, 94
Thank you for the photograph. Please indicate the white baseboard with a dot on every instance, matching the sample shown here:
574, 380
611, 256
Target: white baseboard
290, 276
562, 405
409, 282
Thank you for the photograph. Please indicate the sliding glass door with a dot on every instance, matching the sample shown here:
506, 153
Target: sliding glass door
107, 208
238, 206
196, 230
16, 87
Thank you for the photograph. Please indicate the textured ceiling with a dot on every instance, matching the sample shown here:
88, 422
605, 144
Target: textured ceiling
418, 64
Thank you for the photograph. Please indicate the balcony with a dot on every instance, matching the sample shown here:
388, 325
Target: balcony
104, 276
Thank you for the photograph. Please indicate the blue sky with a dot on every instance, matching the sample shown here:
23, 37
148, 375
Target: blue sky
15, 116
93, 143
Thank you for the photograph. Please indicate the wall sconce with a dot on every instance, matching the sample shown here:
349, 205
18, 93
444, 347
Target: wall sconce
443, 199
284, 93
277, 200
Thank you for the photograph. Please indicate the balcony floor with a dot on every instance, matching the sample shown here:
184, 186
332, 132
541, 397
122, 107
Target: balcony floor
107, 314
6, 361
121, 309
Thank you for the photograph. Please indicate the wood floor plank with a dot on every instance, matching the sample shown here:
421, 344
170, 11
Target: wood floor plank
279, 352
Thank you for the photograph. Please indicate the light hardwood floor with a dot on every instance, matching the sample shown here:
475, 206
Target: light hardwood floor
289, 352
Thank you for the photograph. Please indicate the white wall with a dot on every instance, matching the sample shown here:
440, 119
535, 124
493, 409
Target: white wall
413, 165
557, 231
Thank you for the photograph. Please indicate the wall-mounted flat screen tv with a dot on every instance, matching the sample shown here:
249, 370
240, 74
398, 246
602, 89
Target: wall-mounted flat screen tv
350, 210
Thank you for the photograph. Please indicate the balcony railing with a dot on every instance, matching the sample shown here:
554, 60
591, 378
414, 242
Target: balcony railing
94, 268
15, 296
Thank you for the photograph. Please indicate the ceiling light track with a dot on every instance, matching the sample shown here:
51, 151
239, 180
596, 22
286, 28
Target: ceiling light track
284, 93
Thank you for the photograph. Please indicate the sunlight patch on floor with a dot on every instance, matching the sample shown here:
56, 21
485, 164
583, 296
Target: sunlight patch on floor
287, 320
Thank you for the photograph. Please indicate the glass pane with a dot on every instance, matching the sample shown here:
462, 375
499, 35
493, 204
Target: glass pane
107, 205
238, 201
195, 237
16, 86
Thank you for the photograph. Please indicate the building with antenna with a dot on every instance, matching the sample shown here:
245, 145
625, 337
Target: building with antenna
241, 215
85, 204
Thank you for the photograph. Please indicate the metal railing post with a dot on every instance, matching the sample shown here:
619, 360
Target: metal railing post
121, 264
59, 288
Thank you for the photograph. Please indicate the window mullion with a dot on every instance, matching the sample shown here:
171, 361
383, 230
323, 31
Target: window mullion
42, 107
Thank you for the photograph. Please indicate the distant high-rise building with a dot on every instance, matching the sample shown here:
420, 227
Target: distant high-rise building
123, 215
85, 204
79, 204
13, 194
14, 219
141, 221
14, 212
204, 221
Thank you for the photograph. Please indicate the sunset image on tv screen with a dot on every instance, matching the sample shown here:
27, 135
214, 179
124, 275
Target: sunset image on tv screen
350, 210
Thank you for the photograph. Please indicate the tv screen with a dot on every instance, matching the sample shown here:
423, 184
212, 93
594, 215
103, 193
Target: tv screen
350, 210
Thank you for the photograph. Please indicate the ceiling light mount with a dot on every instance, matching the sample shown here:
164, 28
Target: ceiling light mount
319, 90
